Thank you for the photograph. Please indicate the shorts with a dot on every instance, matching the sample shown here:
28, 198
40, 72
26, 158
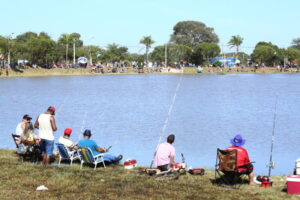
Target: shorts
47, 147
246, 169
163, 167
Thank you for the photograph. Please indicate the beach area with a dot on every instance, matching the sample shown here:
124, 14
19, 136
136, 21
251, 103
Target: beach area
41, 72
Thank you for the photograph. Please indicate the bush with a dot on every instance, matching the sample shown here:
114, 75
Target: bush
217, 64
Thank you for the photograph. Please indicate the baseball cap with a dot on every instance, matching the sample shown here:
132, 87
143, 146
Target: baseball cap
52, 108
68, 131
27, 117
87, 132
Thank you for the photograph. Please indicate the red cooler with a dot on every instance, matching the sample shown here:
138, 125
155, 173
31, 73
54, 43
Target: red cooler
293, 184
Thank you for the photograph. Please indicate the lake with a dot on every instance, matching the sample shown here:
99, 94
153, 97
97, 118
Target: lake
129, 112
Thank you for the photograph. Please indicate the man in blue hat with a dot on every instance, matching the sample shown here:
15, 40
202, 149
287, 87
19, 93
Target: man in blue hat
86, 142
243, 162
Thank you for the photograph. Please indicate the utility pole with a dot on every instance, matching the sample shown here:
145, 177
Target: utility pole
67, 47
9, 44
90, 50
166, 56
74, 62
91, 59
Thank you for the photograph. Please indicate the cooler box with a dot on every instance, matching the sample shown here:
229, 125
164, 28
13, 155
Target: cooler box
293, 184
129, 164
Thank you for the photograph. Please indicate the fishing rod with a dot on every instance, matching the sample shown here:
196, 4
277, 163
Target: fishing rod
271, 162
166, 120
61, 105
82, 125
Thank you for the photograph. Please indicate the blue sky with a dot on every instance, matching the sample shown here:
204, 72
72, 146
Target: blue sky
125, 22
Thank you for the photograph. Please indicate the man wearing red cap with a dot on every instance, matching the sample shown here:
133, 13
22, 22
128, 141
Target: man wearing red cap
65, 140
46, 125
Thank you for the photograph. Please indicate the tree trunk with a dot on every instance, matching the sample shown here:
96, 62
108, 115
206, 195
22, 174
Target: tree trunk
237, 52
67, 46
147, 49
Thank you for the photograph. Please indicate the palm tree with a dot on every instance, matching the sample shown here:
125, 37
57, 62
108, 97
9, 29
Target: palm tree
236, 41
147, 41
66, 40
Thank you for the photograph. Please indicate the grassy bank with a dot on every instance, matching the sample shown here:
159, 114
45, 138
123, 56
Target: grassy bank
83, 72
19, 181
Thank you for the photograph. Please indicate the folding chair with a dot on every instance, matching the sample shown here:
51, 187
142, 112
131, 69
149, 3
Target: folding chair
64, 153
28, 154
226, 167
88, 157
16, 139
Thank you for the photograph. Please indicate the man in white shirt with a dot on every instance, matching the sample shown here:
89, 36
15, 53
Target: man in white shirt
65, 140
46, 125
21, 126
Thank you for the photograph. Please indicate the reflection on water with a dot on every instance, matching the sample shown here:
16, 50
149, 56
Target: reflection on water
128, 113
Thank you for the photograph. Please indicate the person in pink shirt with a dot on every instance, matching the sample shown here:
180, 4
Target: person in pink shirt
165, 154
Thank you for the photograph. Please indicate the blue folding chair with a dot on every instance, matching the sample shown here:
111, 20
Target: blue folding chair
87, 156
64, 153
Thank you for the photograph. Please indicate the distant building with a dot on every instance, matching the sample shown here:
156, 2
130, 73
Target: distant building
227, 62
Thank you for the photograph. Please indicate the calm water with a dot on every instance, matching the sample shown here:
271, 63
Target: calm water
128, 112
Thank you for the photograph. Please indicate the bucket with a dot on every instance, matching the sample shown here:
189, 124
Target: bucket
266, 184
297, 167
298, 163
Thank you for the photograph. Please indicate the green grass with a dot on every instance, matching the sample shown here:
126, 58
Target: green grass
20, 180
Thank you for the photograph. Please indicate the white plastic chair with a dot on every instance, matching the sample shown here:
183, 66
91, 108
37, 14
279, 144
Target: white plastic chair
87, 156
64, 153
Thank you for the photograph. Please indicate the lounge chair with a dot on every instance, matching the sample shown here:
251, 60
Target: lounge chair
88, 157
64, 153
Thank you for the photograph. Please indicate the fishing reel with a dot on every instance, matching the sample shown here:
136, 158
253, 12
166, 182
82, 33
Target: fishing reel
271, 165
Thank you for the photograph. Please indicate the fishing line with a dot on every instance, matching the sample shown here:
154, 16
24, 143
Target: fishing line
167, 119
123, 135
61, 105
82, 124
271, 163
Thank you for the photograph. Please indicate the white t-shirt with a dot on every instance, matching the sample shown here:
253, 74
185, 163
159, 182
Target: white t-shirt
19, 130
67, 142
45, 128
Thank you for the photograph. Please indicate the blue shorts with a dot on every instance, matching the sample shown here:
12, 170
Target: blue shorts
47, 147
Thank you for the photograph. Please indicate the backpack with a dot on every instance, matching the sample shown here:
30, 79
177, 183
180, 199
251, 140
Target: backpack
197, 171
21, 150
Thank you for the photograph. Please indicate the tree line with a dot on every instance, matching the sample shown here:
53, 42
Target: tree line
191, 42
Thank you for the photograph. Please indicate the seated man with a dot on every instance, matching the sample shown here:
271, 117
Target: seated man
65, 140
28, 141
21, 126
243, 162
86, 142
165, 153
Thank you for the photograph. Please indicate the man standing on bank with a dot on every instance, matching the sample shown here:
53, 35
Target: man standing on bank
46, 125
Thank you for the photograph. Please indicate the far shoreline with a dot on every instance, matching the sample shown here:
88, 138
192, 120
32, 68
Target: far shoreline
40, 72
